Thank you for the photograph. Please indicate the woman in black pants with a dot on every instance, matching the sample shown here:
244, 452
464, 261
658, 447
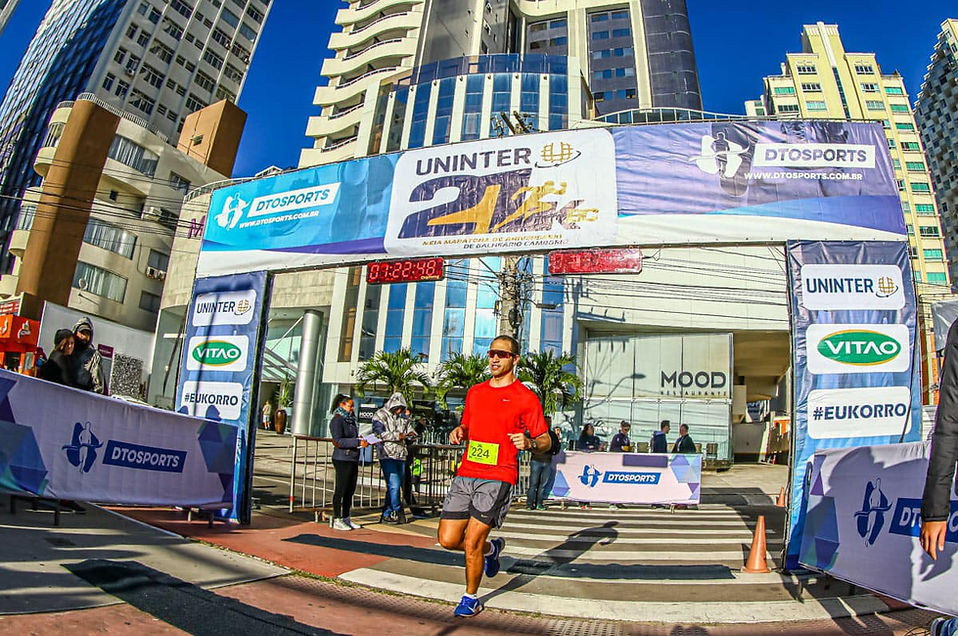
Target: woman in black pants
346, 439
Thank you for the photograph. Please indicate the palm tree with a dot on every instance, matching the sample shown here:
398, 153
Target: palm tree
460, 372
547, 375
398, 371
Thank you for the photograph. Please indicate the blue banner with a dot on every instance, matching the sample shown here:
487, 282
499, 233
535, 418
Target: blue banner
853, 314
220, 355
65, 443
735, 182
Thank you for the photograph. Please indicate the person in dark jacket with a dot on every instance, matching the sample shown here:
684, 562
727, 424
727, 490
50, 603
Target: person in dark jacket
684, 443
936, 499
391, 425
621, 442
588, 441
659, 443
540, 472
346, 439
86, 360
58, 368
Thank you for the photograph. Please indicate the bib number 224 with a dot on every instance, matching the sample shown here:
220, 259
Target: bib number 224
483, 453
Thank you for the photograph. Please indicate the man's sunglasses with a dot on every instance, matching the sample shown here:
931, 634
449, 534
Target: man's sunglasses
499, 353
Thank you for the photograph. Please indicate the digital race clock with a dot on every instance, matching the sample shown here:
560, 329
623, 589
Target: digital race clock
412, 270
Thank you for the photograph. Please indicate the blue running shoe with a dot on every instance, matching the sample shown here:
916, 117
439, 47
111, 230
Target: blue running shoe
468, 607
492, 564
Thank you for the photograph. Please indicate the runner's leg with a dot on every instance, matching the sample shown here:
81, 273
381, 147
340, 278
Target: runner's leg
475, 546
452, 533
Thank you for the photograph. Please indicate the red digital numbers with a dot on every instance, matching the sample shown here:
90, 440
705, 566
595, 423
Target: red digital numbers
404, 271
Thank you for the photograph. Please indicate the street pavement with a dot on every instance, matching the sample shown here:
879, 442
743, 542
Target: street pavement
630, 571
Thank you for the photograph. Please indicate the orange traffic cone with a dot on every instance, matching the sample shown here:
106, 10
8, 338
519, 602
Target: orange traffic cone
781, 498
756, 563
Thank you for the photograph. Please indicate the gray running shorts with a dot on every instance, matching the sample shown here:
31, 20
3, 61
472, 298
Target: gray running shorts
485, 500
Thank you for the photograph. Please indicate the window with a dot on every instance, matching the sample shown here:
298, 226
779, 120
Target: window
154, 16
806, 69
110, 237
600, 17
920, 187
600, 35
221, 37
144, 39
122, 88
194, 103
928, 230
621, 33
891, 143
904, 126
143, 8
233, 73
149, 302
27, 213
213, 59
815, 105
205, 81
182, 8
222, 93
784, 90
179, 183
934, 255
230, 18
247, 32
172, 28
158, 260
925, 209
133, 155
252, 12
894, 90
787, 108
937, 278
874, 105
864, 69
812, 87
140, 101
95, 280
870, 87
131, 31
899, 108
120, 55
152, 76
162, 51
108, 81
911, 146
915, 166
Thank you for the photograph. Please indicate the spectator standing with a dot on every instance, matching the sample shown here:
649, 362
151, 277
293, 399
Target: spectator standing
392, 426
58, 368
346, 439
936, 499
684, 444
540, 470
86, 360
588, 443
659, 443
621, 442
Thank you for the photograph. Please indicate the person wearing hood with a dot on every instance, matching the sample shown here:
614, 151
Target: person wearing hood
57, 367
86, 361
392, 426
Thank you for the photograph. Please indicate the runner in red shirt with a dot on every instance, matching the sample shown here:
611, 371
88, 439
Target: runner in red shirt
497, 416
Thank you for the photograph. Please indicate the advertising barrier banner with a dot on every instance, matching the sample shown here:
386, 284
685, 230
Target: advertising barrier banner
601, 187
853, 314
863, 521
628, 478
219, 362
64, 443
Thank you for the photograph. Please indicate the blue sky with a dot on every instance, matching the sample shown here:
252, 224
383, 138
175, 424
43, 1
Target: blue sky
737, 42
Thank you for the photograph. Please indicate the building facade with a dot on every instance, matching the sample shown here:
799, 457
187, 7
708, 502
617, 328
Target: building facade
133, 213
825, 81
160, 60
7, 7
936, 113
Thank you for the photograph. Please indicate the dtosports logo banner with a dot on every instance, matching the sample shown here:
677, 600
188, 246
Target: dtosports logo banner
864, 519
636, 478
62, 443
527, 192
853, 353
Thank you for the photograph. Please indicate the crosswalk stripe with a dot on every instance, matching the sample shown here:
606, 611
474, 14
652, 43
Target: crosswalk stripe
562, 538
622, 556
645, 528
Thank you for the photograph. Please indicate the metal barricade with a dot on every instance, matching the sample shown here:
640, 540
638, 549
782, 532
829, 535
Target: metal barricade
439, 465
312, 478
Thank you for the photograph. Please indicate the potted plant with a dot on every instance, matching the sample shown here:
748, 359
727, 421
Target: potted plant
284, 399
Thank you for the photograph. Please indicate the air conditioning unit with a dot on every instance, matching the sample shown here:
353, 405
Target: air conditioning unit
151, 214
155, 274
129, 72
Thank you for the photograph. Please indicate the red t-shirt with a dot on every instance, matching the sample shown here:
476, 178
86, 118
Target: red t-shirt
491, 414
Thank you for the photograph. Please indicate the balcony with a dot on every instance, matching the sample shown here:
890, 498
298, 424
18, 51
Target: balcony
403, 21
18, 242
326, 95
360, 11
388, 53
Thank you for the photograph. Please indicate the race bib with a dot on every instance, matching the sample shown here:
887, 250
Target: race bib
483, 453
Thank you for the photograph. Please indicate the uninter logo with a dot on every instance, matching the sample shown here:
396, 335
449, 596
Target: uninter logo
814, 155
838, 286
216, 353
858, 347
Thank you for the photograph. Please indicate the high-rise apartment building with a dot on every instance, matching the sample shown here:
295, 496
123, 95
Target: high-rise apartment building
7, 7
825, 81
937, 115
624, 55
157, 59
